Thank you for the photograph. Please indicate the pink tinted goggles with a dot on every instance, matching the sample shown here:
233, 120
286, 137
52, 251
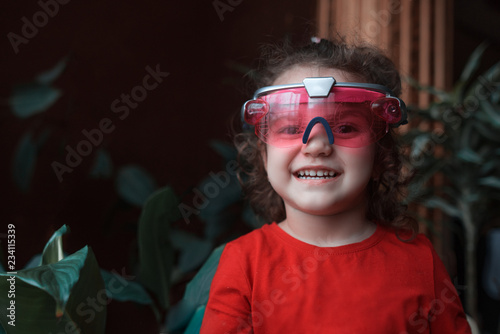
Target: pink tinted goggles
352, 114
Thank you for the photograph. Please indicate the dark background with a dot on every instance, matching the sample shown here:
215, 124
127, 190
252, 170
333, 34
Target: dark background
108, 45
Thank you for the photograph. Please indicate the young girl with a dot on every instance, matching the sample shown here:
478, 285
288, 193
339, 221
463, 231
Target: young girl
341, 255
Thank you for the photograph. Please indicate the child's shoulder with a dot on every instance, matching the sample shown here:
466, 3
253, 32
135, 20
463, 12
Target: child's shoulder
251, 248
255, 238
417, 245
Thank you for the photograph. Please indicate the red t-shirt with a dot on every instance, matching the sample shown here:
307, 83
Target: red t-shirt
270, 282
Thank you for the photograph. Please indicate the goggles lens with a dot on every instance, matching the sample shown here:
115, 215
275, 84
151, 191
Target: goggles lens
356, 117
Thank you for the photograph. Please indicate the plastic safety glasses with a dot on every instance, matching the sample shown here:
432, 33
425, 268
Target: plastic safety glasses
352, 114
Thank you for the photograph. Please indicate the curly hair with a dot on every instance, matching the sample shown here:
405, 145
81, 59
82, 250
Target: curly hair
386, 189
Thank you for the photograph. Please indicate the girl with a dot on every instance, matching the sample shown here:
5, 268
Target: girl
341, 255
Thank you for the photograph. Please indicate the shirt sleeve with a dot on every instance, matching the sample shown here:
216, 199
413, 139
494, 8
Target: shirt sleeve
228, 308
446, 313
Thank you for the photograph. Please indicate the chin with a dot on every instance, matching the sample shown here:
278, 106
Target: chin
316, 209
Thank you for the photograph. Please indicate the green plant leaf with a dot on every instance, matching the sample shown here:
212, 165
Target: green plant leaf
24, 162
196, 293
34, 310
467, 135
194, 250
485, 131
493, 113
469, 155
195, 322
473, 62
486, 86
35, 261
251, 219
53, 250
49, 278
489, 166
439, 203
89, 315
103, 166
490, 82
425, 171
47, 77
493, 74
471, 197
156, 254
30, 99
55, 297
490, 181
134, 184
123, 290
219, 197
225, 150
420, 143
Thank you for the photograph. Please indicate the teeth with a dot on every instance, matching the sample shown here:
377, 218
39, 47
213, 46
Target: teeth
316, 174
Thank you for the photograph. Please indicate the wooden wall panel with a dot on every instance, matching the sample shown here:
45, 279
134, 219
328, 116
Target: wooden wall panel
417, 35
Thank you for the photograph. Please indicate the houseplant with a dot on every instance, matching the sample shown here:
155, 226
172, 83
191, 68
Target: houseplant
462, 144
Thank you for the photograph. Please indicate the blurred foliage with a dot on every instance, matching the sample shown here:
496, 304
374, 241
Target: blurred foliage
51, 288
457, 136
34, 97
185, 314
169, 255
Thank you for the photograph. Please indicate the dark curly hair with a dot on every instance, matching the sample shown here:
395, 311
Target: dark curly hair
386, 189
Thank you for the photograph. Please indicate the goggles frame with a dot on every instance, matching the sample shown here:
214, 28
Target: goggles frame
321, 87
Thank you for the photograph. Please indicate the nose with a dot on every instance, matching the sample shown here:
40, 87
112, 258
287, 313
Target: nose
318, 140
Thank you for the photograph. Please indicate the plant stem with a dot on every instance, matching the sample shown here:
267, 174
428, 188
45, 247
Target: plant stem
470, 258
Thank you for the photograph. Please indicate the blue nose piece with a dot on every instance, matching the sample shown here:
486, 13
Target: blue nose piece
312, 123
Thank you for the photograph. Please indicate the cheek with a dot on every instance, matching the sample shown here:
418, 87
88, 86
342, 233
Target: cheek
360, 160
277, 162
278, 157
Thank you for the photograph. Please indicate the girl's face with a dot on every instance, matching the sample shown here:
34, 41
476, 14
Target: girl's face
343, 172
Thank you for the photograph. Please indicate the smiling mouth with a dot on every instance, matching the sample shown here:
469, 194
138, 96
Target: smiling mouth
316, 174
